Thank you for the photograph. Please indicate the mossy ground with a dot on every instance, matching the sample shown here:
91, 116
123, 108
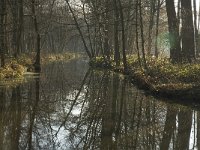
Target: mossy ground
16, 67
161, 76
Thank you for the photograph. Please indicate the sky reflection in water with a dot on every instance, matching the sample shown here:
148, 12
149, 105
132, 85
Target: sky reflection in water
73, 107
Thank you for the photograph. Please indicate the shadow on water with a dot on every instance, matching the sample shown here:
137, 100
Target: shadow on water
72, 107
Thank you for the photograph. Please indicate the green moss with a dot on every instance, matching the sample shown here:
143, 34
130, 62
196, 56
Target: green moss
12, 70
49, 58
101, 62
165, 72
25, 60
15, 68
161, 74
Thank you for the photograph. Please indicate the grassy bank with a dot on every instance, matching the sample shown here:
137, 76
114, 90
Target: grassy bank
15, 68
161, 78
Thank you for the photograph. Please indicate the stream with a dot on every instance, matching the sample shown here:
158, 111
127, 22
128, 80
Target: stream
72, 107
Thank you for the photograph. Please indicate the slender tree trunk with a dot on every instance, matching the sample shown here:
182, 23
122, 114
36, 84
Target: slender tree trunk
79, 30
187, 31
157, 28
17, 25
20, 46
2, 31
14, 10
151, 24
116, 34
106, 30
142, 34
123, 36
195, 28
89, 32
198, 18
129, 27
136, 32
38, 48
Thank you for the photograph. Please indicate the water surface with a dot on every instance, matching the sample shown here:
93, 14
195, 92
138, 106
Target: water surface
72, 107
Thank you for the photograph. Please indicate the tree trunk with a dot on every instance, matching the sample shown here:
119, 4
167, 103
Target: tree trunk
15, 24
123, 36
136, 33
142, 34
89, 32
195, 26
37, 61
187, 31
151, 24
175, 49
79, 30
106, 30
157, 28
21, 27
116, 34
2, 31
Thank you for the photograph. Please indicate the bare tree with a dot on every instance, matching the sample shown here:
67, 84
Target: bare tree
79, 30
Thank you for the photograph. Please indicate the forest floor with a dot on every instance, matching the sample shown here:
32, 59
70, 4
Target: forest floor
15, 69
161, 78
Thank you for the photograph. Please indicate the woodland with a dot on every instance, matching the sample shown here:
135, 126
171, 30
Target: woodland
99, 74
154, 41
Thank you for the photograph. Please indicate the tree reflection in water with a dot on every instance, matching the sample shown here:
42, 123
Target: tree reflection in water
65, 110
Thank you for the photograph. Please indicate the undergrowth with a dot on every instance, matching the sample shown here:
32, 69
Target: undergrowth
160, 72
16, 67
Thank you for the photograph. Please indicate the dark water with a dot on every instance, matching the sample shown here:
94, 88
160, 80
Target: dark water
71, 107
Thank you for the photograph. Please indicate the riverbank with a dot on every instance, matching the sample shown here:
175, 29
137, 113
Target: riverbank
161, 78
15, 69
